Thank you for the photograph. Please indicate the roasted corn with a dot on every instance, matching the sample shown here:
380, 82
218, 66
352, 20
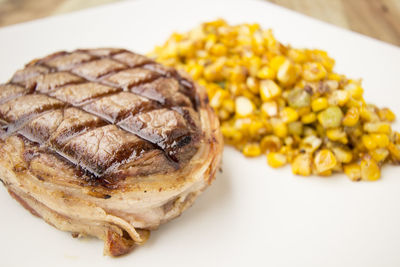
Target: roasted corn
285, 102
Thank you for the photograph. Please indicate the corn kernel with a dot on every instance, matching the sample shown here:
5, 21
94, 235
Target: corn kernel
368, 142
368, 115
218, 50
301, 165
313, 71
280, 129
228, 105
380, 140
219, 96
311, 143
351, 118
269, 108
295, 128
330, 117
242, 124
286, 73
379, 154
342, 155
266, 73
212, 73
252, 84
324, 160
355, 90
353, 171
386, 114
196, 71
251, 150
369, 170
298, 98
269, 89
339, 98
270, 143
276, 62
237, 75
308, 118
243, 106
256, 128
319, 104
335, 134
334, 77
297, 55
377, 127
289, 114
303, 111
276, 160
394, 152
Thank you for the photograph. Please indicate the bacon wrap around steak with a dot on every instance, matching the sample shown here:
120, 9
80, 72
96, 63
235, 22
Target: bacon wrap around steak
107, 143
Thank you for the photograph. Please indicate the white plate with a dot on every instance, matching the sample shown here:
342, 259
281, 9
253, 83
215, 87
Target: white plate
252, 215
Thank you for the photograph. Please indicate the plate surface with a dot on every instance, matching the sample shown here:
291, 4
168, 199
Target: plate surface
252, 215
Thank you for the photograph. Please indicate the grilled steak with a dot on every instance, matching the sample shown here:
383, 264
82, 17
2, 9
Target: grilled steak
106, 142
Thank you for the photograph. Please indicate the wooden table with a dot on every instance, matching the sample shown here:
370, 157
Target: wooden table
379, 19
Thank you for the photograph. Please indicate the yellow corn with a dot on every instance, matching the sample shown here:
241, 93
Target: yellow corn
380, 140
351, 118
252, 150
266, 73
218, 50
289, 114
276, 160
228, 105
342, 155
269, 89
379, 154
330, 117
243, 106
269, 108
339, 98
276, 62
377, 127
308, 118
314, 71
285, 101
301, 165
368, 142
324, 160
297, 55
295, 128
369, 170
280, 129
270, 143
355, 90
353, 171
286, 73
335, 134
319, 104
386, 114
311, 143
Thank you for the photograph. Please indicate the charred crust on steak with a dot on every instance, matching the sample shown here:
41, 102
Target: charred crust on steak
101, 109
107, 143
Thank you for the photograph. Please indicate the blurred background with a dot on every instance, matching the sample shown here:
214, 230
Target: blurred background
379, 19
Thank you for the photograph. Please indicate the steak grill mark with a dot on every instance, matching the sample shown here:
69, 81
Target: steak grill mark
100, 108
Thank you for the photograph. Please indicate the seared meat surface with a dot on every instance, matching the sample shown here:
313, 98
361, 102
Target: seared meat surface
106, 142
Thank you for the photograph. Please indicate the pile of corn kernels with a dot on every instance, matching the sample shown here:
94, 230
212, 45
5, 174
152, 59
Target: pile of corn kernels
285, 102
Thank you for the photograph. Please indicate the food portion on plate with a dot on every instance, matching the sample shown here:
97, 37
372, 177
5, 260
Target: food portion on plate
106, 143
285, 102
